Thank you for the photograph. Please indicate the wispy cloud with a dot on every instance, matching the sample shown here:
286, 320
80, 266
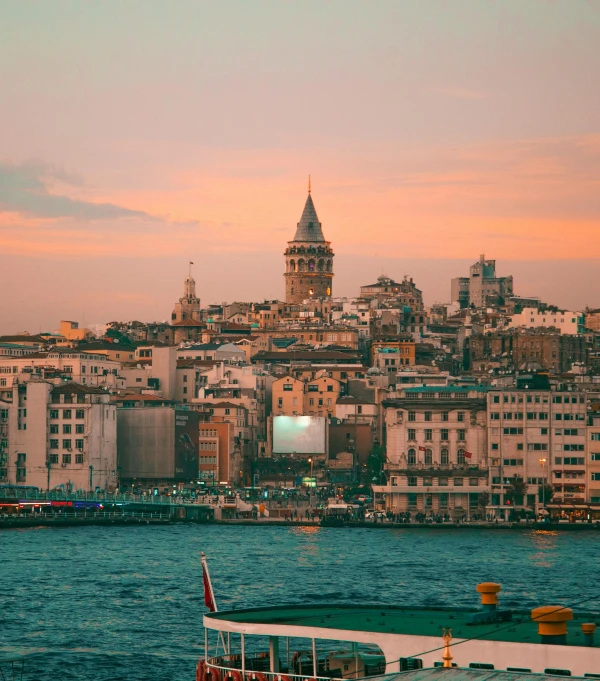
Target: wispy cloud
24, 189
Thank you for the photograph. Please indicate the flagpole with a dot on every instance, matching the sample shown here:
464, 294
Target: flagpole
212, 596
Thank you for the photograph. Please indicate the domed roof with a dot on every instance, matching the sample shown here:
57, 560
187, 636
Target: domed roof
210, 320
254, 326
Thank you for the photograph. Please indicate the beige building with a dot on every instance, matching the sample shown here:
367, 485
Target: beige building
59, 435
295, 397
436, 451
538, 436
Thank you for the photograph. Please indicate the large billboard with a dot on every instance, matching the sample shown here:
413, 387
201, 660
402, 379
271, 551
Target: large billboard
299, 435
186, 444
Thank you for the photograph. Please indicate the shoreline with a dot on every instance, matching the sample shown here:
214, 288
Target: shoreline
19, 523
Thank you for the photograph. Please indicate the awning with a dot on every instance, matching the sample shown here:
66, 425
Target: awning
581, 506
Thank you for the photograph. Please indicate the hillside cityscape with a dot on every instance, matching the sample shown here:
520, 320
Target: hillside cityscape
483, 407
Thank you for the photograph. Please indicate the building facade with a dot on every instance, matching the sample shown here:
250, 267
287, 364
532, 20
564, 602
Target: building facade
436, 452
482, 286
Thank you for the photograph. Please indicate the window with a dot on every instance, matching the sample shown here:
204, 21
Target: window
495, 446
288, 386
311, 388
443, 482
494, 416
185, 389
412, 416
67, 429
54, 445
460, 416
53, 458
412, 500
53, 413
412, 456
570, 431
595, 476
280, 402
537, 447
412, 434
496, 399
507, 415
513, 431
79, 444
519, 446
513, 462
67, 413
573, 461
54, 429
428, 435
444, 435
444, 458
573, 448
473, 482
427, 482
311, 401
66, 458
329, 388
412, 482
428, 416
66, 444
460, 457
79, 428
595, 437
595, 457
461, 435
445, 416
458, 482
428, 457
79, 457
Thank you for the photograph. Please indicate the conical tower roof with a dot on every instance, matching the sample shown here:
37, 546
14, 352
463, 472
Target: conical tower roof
309, 227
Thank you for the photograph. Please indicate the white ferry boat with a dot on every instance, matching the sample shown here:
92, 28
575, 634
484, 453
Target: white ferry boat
412, 644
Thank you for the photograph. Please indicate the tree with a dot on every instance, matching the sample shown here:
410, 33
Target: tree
545, 493
376, 462
484, 500
516, 491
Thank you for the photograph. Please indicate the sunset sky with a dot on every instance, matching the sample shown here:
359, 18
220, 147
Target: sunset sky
136, 136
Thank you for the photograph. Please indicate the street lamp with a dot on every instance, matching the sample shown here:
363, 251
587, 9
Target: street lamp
48, 466
310, 461
91, 478
543, 461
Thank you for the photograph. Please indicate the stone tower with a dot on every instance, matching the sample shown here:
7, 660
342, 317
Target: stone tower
188, 307
308, 259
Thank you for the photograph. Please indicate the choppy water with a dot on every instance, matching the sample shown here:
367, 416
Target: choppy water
126, 602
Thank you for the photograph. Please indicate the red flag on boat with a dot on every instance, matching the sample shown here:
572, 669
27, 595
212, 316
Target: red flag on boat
209, 597
422, 449
468, 455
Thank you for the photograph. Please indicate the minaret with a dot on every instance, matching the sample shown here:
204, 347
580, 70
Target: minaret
308, 259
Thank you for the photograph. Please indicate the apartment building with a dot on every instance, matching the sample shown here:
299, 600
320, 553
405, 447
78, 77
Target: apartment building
59, 436
539, 437
316, 397
75, 365
436, 451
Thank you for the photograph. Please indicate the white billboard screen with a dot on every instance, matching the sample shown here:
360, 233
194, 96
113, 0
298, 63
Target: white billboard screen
298, 435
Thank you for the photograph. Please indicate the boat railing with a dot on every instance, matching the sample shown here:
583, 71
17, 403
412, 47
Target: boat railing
257, 667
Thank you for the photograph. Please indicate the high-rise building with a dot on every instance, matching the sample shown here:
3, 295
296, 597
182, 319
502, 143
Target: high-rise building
482, 286
308, 259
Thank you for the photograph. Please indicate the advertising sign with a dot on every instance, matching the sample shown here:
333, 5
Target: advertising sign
299, 435
186, 444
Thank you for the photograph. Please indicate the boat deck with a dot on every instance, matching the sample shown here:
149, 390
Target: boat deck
402, 621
